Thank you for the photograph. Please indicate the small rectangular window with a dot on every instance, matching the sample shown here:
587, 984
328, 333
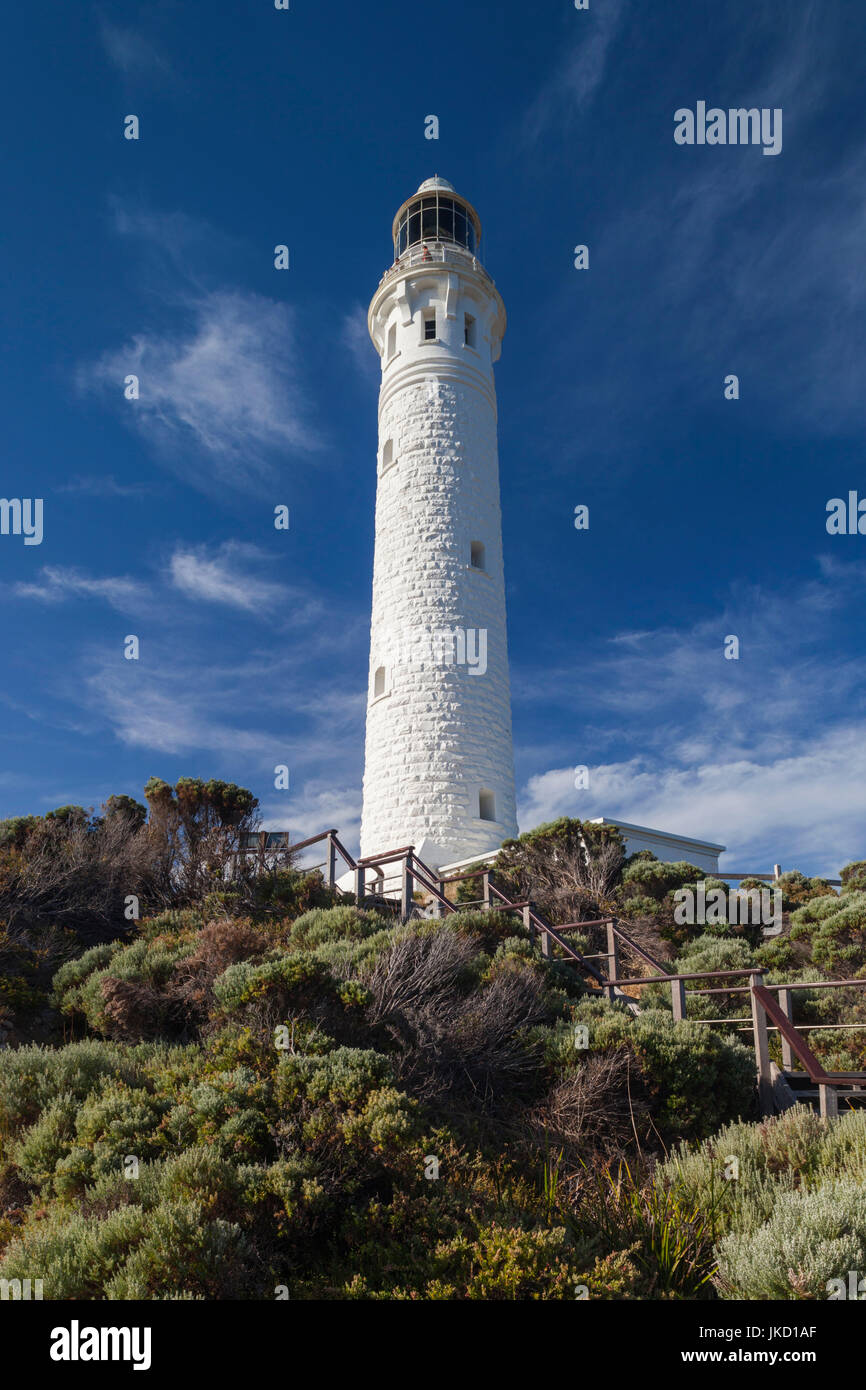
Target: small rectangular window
429, 327
486, 805
469, 331
476, 555
392, 340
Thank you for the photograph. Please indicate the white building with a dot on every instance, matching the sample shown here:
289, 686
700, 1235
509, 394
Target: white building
668, 848
439, 765
671, 849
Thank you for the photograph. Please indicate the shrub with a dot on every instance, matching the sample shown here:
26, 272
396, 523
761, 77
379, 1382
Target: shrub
344, 1077
32, 1077
810, 1238
836, 930
695, 1077
182, 1255
452, 1035
505, 1263
323, 925
853, 877
74, 1255
569, 868
296, 981
69, 978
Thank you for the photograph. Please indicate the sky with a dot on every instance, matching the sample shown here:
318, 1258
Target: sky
306, 127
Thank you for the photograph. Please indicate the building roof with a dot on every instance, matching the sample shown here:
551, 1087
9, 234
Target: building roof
658, 834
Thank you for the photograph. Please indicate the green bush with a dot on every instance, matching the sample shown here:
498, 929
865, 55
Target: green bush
836, 931
695, 1076
75, 1256
32, 1077
323, 925
505, 1263
72, 974
810, 1238
297, 981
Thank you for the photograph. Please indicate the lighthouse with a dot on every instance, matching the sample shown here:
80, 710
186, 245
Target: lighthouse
439, 761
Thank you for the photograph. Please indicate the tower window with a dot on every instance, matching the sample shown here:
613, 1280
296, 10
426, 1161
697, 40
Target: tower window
486, 805
379, 682
387, 454
476, 555
429, 326
392, 340
469, 331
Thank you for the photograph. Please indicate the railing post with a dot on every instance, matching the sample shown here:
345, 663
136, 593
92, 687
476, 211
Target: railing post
785, 1004
528, 922
407, 885
546, 943
441, 909
612, 960
485, 889
331, 876
360, 875
762, 1046
678, 1000
828, 1101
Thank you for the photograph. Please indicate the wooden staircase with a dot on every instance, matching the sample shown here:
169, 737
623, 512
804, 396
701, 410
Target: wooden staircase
770, 1005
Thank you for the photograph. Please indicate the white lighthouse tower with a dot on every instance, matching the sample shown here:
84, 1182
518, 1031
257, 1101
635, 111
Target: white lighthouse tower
439, 768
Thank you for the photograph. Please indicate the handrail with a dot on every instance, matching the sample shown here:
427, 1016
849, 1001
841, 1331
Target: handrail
695, 975
437, 252
313, 840
430, 887
342, 850
372, 860
789, 1032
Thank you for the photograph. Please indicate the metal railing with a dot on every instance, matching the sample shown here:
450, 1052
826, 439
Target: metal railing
437, 253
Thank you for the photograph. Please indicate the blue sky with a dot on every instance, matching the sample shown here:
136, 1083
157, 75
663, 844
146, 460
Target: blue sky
707, 516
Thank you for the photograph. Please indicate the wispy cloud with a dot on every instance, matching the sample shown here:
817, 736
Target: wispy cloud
226, 388
106, 486
696, 253
57, 584
132, 53
176, 247
580, 73
314, 806
243, 721
220, 576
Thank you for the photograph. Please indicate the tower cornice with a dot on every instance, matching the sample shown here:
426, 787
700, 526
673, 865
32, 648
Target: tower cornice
415, 272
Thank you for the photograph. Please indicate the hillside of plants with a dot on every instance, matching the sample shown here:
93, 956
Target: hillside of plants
222, 1083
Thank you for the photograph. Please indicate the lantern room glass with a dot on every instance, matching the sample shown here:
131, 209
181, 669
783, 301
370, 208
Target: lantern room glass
435, 217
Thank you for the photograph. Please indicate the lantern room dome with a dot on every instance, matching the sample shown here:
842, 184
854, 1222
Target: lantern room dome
437, 182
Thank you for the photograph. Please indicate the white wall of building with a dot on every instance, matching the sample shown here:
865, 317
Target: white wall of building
669, 848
